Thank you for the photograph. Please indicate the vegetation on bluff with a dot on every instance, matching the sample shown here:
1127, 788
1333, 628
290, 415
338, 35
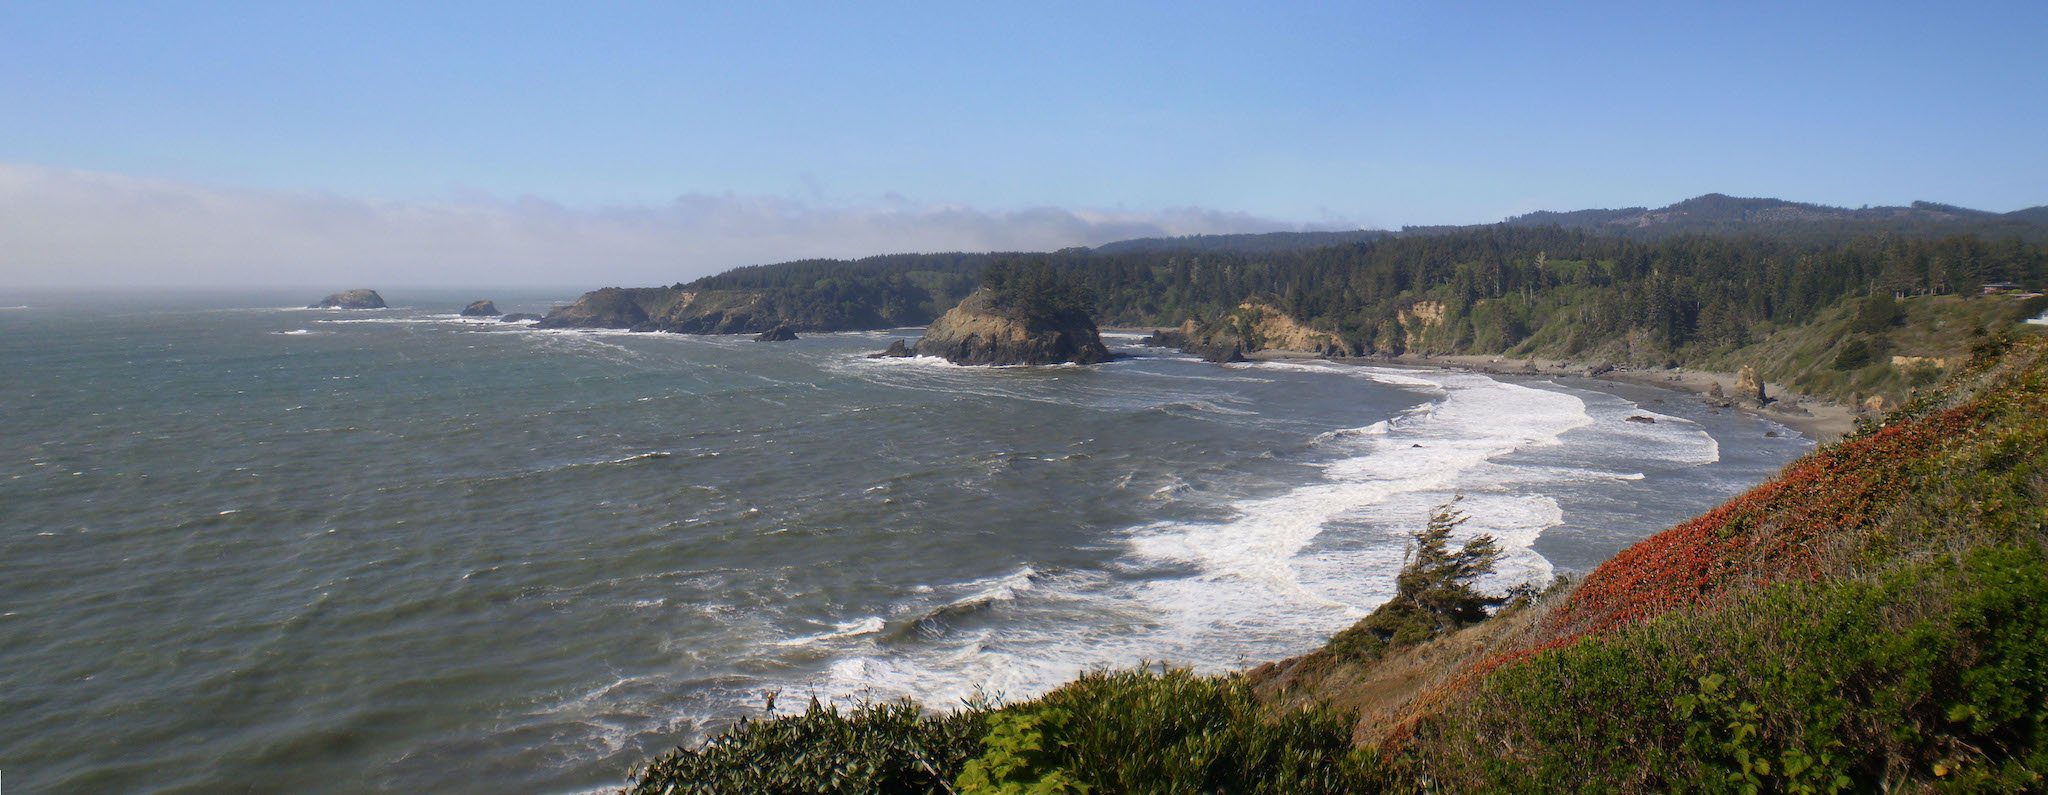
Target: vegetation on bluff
1714, 301
1875, 618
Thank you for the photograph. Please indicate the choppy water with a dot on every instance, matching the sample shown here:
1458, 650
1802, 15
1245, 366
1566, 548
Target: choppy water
245, 548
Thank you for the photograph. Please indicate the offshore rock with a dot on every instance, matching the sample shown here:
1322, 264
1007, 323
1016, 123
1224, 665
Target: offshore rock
351, 299
482, 308
983, 330
777, 334
897, 350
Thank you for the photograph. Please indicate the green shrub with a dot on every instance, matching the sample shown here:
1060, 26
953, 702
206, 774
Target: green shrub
885, 747
1937, 673
1173, 731
1020, 755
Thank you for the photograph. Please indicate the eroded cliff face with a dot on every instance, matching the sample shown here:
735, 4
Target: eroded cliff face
1252, 327
1420, 324
981, 331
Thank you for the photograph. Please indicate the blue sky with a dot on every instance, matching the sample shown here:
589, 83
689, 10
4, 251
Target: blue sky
1360, 114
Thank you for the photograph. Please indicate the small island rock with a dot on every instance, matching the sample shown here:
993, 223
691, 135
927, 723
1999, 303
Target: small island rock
990, 328
352, 299
482, 308
897, 350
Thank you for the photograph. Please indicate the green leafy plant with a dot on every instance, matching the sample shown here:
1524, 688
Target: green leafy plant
1020, 756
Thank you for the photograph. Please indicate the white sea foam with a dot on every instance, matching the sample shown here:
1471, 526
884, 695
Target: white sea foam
1286, 570
848, 629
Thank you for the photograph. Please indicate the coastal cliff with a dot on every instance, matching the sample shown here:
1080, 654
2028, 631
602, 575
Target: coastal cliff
986, 329
1252, 327
686, 310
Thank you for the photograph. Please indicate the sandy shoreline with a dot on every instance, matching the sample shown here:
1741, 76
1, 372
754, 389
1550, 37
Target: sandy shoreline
1823, 421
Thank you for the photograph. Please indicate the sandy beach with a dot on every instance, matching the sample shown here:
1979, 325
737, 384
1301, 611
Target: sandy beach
1822, 420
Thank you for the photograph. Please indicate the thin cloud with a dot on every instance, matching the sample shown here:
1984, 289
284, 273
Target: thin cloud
63, 227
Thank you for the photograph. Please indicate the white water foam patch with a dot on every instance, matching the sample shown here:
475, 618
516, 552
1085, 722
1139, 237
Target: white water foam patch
1424, 457
1286, 572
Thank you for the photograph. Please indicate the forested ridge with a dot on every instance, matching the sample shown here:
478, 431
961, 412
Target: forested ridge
1494, 289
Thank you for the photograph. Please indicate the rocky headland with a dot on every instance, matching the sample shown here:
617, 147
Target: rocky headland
691, 311
351, 299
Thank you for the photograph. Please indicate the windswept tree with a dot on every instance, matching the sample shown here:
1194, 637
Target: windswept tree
1434, 594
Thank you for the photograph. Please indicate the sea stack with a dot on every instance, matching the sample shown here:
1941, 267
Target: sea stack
897, 350
1748, 386
352, 299
989, 328
482, 308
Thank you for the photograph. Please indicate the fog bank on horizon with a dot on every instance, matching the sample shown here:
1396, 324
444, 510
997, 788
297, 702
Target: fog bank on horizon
64, 228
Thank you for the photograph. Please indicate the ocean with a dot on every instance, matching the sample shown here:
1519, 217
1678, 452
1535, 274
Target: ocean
250, 547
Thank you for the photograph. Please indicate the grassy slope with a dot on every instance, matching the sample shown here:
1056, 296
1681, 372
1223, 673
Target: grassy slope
1875, 617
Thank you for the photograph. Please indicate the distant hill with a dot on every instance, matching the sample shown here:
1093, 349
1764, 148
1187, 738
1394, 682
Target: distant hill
1721, 213
1713, 213
1242, 244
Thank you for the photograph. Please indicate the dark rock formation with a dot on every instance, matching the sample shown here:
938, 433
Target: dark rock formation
481, 309
777, 334
518, 317
352, 299
984, 330
686, 311
1642, 419
611, 307
1213, 348
897, 350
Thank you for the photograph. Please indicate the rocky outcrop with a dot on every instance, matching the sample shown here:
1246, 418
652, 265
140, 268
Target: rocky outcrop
1252, 327
518, 317
777, 334
677, 310
611, 307
352, 299
896, 350
1750, 386
1189, 340
482, 308
985, 330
